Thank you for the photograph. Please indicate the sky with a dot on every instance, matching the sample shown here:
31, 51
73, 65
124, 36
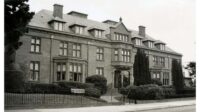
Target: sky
171, 21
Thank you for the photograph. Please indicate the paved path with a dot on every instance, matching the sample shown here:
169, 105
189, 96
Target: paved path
121, 108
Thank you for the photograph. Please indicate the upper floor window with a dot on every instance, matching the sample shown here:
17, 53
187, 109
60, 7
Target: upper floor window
75, 70
162, 47
150, 44
79, 29
156, 75
100, 53
98, 33
76, 50
121, 37
63, 49
99, 71
138, 42
35, 44
61, 71
116, 54
34, 70
125, 55
160, 61
58, 26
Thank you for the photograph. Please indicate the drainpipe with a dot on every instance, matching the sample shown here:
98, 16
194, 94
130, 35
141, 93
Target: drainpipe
50, 80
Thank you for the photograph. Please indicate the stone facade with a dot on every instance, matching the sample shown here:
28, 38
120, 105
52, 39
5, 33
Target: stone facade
114, 65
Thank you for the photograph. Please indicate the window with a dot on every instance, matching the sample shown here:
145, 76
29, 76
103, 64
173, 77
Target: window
121, 37
116, 55
34, 70
63, 49
99, 71
125, 55
165, 78
100, 53
156, 75
98, 33
159, 61
138, 41
76, 50
75, 70
35, 44
61, 71
150, 44
58, 26
79, 29
162, 47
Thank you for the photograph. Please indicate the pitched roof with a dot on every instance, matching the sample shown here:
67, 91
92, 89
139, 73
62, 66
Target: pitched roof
42, 18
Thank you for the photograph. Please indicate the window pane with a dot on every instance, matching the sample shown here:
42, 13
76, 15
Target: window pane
63, 67
58, 67
70, 68
32, 48
33, 40
75, 68
60, 51
60, 26
31, 66
65, 45
38, 41
36, 76
65, 52
78, 47
56, 25
74, 54
78, 54
97, 71
61, 44
79, 68
36, 66
74, 46
37, 49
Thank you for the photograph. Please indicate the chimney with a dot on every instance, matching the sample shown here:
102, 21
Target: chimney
142, 31
58, 10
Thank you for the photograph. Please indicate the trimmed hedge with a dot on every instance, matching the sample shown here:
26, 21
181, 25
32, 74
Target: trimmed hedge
143, 92
168, 91
93, 92
156, 81
79, 85
99, 82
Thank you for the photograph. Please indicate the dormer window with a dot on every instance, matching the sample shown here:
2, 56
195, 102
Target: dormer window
121, 37
150, 44
58, 26
138, 41
79, 29
160, 46
98, 33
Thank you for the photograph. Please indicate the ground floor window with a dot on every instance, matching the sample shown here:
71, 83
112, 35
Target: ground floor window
61, 71
34, 70
155, 75
99, 71
165, 78
75, 70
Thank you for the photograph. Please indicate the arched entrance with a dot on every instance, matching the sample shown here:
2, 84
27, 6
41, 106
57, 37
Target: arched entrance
121, 78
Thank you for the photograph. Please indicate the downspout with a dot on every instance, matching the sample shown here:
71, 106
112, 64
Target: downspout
50, 80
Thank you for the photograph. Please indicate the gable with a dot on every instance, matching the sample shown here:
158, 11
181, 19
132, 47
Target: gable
121, 28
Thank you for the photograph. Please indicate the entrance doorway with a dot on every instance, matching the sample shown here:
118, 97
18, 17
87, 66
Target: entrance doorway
121, 78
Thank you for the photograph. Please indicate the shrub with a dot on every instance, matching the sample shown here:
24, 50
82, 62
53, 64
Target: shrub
123, 91
188, 90
168, 91
145, 92
79, 85
156, 81
99, 82
45, 88
14, 80
93, 92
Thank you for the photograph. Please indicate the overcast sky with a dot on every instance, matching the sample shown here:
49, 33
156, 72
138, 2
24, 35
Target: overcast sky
172, 21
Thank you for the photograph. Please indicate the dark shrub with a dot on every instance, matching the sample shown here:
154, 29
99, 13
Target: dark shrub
14, 80
79, 85
45, 88
99, 82
92, 92
145, 92
188, 90
169, 91
124, 91
156, 81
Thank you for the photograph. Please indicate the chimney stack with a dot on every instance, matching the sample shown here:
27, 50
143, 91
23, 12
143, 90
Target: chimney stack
142, 31
58, 10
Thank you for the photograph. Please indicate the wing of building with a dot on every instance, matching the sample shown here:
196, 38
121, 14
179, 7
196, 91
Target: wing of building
71, 47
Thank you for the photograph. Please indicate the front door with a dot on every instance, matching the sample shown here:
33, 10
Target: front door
117, 79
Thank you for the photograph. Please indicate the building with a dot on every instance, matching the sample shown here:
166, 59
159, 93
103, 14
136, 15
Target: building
71, 47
